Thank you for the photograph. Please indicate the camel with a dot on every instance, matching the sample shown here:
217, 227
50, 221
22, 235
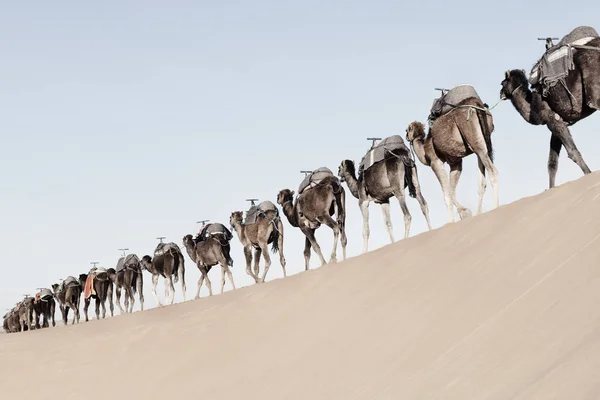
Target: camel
26, 313
263, 226
209, 248
383, 180
11, 323
575, 98
45, 306
168, 262
128, 276
68, 294
315, 205
465, 130
98, 286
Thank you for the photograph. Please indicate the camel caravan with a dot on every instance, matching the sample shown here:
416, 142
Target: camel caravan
563, 88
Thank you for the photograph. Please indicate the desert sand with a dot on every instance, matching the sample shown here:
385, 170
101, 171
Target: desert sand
504, 305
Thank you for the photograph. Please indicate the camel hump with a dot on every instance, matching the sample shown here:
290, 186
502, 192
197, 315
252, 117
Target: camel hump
214, 229
391, 146
44, 294
255, 211
448, 101
120, 264
314, 178
557, 60
164, 248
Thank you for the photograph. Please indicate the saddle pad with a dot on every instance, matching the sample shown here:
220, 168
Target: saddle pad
557, 61
164, 248
214, 228
255, 211
45, 294
89, 287
447, 102
393, 143
314, 178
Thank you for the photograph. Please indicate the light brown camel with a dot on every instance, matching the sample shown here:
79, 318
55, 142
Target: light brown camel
263, 226
381, 181
209, 248
315, 206
453, 136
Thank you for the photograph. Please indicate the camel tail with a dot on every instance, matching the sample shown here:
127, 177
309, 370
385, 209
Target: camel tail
134, 281
226, 252
408, 181
275, 236
487, 132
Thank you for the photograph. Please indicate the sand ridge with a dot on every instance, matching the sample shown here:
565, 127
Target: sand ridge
500, 306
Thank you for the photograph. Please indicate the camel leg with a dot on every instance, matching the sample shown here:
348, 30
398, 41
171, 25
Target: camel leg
330, 222
482, 186
98, 304
420, 198
341, 220
455, 172
267, 257
181, 273
248, 255
385, 208
86, 305
307, 246
555, 147
560, 129
200, 281
364, 209
131, 296
407, 217
52, 311
154, 283
440, 172
229, 274
109, 297
208, 284
118, 296
257, 254
63, 313
169, 290
279, 227
222, 278
140, 290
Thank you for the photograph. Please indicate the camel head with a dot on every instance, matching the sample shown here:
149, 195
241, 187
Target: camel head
346, 167
188, 241
513, 80
416, 130
284, 196
236, 218
144, 262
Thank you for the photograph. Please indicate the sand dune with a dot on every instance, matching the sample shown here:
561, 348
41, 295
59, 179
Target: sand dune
505, 305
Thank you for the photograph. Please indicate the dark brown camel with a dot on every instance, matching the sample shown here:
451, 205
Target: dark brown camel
266, 229
45, 306
168, 262
100, 289
566, 104
380, 182
209, 251
313, 207
68, 295
128, 276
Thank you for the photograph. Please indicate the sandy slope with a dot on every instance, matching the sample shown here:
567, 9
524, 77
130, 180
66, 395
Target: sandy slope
505, 305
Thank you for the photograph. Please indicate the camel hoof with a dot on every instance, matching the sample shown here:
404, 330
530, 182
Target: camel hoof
464, 213
333, 260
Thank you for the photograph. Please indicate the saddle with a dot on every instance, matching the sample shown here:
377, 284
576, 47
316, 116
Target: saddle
314, 178
166, 248
69, 281
255, 211
390, 146
43, 295
131, 261
557, 61
448, 101
213, 229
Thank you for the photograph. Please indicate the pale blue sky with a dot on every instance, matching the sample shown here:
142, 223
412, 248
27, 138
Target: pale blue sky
124, 121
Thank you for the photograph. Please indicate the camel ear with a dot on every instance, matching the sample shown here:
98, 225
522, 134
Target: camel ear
293, 193
507, 74
523, 71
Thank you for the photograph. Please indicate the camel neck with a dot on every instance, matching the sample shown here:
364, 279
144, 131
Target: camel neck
351, 181
290, 213
239, 229
419, 148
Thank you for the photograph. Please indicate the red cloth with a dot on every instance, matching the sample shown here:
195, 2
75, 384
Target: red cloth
89, 287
